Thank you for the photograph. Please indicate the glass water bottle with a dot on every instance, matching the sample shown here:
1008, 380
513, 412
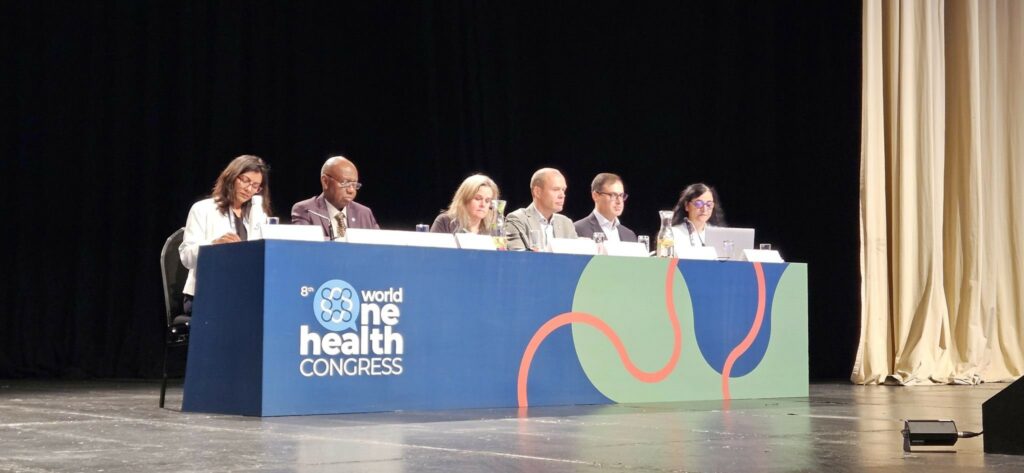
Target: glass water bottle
498, 228
666, 238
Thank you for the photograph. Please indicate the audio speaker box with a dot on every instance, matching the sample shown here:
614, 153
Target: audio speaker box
1002, 418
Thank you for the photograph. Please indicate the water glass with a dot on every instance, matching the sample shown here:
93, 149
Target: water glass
422, 227
645, 241
537, 240
273, 220
765, 246
600, 238
727, 248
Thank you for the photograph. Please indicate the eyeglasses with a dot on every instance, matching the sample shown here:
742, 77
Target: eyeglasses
615, 195
700, 204
251, 184
345, 184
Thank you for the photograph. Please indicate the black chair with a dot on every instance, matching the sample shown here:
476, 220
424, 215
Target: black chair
175, 274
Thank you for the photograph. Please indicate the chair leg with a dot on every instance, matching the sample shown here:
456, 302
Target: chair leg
163, 385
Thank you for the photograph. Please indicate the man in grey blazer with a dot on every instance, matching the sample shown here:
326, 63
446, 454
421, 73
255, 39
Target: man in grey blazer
335, 209
609, 196
547, 186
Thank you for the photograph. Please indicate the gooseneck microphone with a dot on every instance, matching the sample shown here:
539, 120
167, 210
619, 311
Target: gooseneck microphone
330, 228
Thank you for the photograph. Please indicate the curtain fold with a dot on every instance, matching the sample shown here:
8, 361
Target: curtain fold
941, 214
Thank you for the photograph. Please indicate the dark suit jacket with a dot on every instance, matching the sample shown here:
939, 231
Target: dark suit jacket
445, 224
587, 226
359, 215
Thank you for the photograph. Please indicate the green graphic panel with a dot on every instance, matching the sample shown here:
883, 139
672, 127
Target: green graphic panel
629, 295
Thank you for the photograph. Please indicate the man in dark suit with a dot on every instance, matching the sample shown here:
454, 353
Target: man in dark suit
335, 209
609, 201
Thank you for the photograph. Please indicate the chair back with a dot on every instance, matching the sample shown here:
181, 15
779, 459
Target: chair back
175, 274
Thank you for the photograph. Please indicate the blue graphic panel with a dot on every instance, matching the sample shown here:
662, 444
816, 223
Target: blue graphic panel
460, 321
724, 291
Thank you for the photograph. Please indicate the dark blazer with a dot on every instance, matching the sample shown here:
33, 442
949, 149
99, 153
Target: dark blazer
359, 215
445, 224
587, 226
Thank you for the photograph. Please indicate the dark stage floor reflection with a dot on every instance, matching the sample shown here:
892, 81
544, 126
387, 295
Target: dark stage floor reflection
116, 426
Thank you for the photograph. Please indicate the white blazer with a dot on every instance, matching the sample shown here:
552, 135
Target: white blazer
205, 223
684, 239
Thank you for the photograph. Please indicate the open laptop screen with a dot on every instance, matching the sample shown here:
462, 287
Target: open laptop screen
741, 238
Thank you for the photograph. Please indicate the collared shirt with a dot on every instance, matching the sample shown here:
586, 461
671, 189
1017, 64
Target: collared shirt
332, 212
545, 225
608, 227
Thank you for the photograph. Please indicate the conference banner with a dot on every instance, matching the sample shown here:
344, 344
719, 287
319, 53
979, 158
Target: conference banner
292, 328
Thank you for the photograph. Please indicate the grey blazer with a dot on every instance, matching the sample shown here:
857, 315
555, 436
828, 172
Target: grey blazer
359, 216
519, 223
587, 226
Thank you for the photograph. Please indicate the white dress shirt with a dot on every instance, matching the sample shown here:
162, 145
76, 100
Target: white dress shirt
608, 227
545, 225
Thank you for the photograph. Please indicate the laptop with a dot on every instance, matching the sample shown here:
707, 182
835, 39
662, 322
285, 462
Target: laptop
741, 239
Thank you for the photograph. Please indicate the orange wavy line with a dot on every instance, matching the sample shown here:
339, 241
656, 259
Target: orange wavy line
585, 318
740, 349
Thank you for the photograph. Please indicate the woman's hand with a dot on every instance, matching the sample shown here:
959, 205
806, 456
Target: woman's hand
227, 238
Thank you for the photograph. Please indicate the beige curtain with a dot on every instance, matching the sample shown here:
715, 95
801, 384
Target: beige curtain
942, 192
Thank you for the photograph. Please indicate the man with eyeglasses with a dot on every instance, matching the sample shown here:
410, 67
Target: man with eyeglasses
609, 201
335, 209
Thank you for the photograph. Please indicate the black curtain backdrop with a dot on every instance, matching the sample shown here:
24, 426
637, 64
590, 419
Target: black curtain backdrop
119, 115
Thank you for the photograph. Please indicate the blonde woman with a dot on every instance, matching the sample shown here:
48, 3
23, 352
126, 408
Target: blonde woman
470, 210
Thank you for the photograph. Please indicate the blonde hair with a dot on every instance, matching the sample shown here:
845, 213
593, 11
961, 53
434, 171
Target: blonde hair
465, 193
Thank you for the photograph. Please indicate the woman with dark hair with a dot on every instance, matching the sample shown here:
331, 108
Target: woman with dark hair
239, 201
697, 209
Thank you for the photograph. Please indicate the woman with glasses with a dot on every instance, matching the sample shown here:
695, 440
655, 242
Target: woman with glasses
239, 201
697, 209
470, 209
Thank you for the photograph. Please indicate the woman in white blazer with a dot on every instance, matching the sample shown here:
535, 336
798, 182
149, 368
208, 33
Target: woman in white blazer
698, 208
238, 203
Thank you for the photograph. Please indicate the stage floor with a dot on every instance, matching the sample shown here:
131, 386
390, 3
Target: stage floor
116, 426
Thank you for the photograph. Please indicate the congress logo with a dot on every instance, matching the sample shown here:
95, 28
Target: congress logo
363, 338
336, 306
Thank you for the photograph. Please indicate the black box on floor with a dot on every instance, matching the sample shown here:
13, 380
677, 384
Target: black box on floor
929, 433
1002, 418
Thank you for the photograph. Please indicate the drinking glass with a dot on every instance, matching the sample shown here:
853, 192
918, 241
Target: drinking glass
600, 238
537, 240
727, 248
273, 220
422, 227
645, 241
765, 246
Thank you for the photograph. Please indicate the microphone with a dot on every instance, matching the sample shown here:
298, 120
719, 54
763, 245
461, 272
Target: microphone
458, 244
330, 228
